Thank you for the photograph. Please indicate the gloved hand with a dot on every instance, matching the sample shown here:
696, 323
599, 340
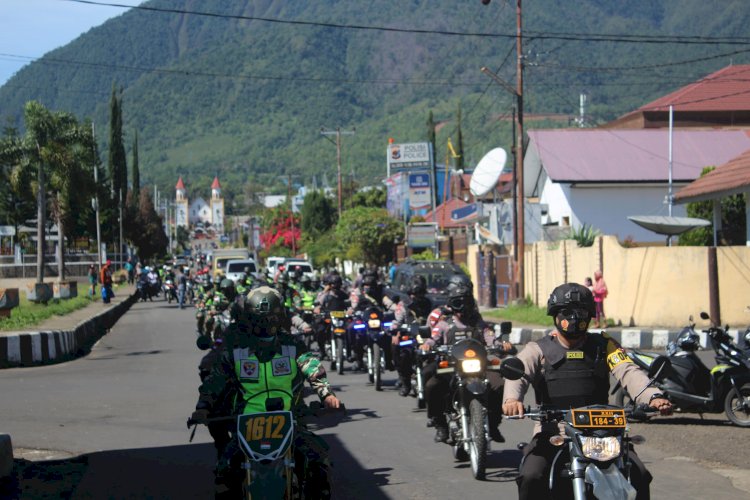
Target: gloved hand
200, 416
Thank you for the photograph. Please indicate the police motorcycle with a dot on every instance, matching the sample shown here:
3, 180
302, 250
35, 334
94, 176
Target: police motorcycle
593, 457
468, 360
693, 387
272, 467
170, 290
337, 349
377, 327
410, 337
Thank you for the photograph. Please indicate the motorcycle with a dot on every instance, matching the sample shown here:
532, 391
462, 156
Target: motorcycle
594, 450
691, 386
358, 339
339, 352
378, 343
409, 340
468, 360
170, 291
272, 468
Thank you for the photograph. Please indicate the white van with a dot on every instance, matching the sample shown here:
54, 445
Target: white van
236, 267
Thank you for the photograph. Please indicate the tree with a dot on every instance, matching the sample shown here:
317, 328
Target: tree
459, 142
152, 241
372, 198
318, 214
367, 234
118, 170
136, 167
733, 221
280, 227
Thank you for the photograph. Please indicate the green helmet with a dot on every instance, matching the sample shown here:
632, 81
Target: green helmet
265, 309
226, 286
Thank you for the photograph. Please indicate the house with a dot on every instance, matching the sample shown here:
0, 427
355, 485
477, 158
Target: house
600, 177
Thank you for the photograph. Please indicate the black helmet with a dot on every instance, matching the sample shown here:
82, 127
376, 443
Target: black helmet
335, 281
226, 286
369, 280
315, 281
305, 280
460, 297
571, 296
265, 308
418, 285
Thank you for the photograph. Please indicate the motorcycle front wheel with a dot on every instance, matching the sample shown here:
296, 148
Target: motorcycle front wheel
340, 355
737, 406
478, 439
376, 370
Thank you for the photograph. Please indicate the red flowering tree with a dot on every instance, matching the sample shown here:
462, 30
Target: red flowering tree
280, 228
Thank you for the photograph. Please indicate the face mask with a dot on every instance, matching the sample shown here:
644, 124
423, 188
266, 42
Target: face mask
573, 322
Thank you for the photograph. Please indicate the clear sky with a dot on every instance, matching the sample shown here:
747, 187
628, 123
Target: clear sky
31, 28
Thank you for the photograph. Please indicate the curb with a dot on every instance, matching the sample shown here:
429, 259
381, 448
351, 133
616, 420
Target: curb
6, 456
627, 337
41, 348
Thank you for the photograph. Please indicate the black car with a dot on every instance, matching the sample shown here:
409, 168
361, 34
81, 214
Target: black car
436, 273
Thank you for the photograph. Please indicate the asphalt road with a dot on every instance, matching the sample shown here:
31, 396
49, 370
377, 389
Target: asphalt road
112, 425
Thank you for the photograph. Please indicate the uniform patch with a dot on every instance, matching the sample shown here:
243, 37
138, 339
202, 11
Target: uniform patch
249, 369
574, 355
564, 325
617, 358
281, 366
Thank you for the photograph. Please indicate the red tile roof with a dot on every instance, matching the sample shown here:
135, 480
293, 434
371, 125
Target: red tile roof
725, 90
730, 178
443, 212
180, 184
216, 184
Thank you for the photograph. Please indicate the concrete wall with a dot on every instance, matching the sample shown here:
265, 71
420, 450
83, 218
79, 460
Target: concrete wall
653, 286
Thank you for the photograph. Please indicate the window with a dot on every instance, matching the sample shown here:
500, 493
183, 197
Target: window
566, 221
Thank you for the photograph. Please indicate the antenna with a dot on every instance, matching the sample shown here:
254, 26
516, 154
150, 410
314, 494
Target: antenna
488, 171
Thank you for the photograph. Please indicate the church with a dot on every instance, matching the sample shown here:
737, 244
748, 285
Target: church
212, 212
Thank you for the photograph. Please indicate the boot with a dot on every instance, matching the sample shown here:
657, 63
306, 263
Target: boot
441, 429
405, 388
493, 421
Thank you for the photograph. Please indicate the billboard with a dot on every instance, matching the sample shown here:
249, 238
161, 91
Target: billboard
419, 191
409, 156
421, 235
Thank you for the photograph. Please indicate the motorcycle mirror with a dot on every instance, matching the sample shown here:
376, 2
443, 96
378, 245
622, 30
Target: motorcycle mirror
704, 315
506, 327
512, 368
203, 342
659, 365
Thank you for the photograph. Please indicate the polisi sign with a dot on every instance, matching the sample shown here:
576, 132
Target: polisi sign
410, 155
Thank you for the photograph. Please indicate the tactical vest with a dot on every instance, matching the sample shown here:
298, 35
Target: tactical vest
260, 381
308, 298
573, 377
456, 333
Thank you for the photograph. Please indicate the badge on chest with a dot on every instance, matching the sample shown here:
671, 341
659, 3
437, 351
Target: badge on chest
281, 366
574, 355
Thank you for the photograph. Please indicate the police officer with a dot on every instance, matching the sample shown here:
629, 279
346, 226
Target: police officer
416, 308
262, 360
465, 321
332, 298
570, 368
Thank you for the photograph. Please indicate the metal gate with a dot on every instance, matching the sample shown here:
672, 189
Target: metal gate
495, 279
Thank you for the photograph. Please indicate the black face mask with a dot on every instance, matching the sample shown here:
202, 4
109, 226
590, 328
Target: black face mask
573, 322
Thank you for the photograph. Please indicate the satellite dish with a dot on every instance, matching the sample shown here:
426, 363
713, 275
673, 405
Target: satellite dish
487, 172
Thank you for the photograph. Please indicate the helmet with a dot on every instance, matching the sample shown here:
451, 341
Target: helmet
265, 308
460, 298
335, 281
226, 286
459, 280
418, 285
297, 273
575, 303
315, 281
283, 279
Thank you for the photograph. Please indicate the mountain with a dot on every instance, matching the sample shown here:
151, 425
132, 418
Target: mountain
243, 91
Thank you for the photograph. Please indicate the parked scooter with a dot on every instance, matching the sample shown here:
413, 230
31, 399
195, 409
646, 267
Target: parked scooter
693, 387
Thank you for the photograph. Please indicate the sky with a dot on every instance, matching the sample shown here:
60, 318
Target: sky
31, 28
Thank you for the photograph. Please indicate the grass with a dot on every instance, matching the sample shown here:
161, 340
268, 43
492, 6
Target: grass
29, 314
528, 314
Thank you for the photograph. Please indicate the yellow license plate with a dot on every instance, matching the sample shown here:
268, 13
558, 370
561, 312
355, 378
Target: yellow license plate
338, 314
601, 419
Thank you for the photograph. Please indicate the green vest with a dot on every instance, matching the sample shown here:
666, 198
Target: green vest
261, 381
308, 298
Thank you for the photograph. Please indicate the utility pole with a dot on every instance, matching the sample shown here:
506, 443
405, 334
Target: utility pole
119, 252
291, 207
338, 133
96, 207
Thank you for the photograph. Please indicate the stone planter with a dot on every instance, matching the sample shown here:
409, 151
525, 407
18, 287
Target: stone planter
65, 289
39, 292
8, 300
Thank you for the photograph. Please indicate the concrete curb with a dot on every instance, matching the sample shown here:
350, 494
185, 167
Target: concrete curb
6, 456
656, 339
41, 348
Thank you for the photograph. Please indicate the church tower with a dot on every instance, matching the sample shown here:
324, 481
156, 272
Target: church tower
217, 206
181, 204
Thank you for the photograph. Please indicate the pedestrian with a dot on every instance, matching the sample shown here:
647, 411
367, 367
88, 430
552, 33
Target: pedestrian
589, 284
106, 279
600, 293
182, 287
92, 280
130, 270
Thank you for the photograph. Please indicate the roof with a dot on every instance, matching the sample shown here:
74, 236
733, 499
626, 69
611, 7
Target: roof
216, 184
632, 155
730, 178
443, 213
725, 90
180, 184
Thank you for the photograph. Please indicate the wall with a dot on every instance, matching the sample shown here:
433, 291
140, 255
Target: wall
648, 286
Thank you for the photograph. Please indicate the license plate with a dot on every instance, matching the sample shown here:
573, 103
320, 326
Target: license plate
338, 314
601, 419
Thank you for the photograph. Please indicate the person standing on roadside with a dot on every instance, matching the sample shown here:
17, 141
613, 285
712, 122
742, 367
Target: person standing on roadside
92, 280
600, 293
182, 287
130, 270
106, 279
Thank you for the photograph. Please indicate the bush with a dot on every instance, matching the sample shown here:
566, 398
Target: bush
585, 235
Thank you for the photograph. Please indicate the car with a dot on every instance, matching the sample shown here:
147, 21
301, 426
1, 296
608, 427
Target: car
436, 273
291, 264
271, 263
236, 267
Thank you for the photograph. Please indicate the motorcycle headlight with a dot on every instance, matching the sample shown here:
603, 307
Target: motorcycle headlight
600, 448
374, 323
471, 365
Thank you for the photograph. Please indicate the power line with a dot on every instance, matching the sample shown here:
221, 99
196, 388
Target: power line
540, 35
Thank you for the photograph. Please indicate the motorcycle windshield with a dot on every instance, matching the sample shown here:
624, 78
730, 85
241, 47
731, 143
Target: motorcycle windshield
609, 483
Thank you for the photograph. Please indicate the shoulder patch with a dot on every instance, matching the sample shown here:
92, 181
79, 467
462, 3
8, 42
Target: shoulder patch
617, 358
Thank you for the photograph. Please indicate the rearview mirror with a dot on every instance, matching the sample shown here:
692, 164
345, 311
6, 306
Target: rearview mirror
704, 315
203, 342
506, 327
512, 368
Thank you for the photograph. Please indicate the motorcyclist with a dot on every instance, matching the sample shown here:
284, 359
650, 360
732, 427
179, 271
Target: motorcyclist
307, 293
291, 297
369, 294
465, 321
416, 307
255, 366
332, 298
570, 368
220, 302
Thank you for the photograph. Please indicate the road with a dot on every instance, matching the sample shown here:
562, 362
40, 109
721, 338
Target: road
112, 425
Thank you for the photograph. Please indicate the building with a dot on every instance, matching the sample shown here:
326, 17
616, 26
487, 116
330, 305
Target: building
199, 211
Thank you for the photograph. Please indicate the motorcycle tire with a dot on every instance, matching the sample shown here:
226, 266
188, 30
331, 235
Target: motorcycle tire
376, 369
733, 406
340, 355
478, 439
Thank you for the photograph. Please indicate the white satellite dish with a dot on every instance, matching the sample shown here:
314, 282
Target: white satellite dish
488, 171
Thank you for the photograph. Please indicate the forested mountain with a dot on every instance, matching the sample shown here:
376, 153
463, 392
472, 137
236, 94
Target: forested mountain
243, 92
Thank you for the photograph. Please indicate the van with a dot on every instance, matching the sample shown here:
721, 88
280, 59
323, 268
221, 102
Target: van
236, 267
306, 268
221, 256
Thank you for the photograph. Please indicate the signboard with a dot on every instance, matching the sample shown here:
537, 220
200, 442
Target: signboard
421, 235
419, 191
7, 231
467, 212
409, 156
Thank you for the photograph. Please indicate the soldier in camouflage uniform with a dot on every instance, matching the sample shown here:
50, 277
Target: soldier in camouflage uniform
279, 364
